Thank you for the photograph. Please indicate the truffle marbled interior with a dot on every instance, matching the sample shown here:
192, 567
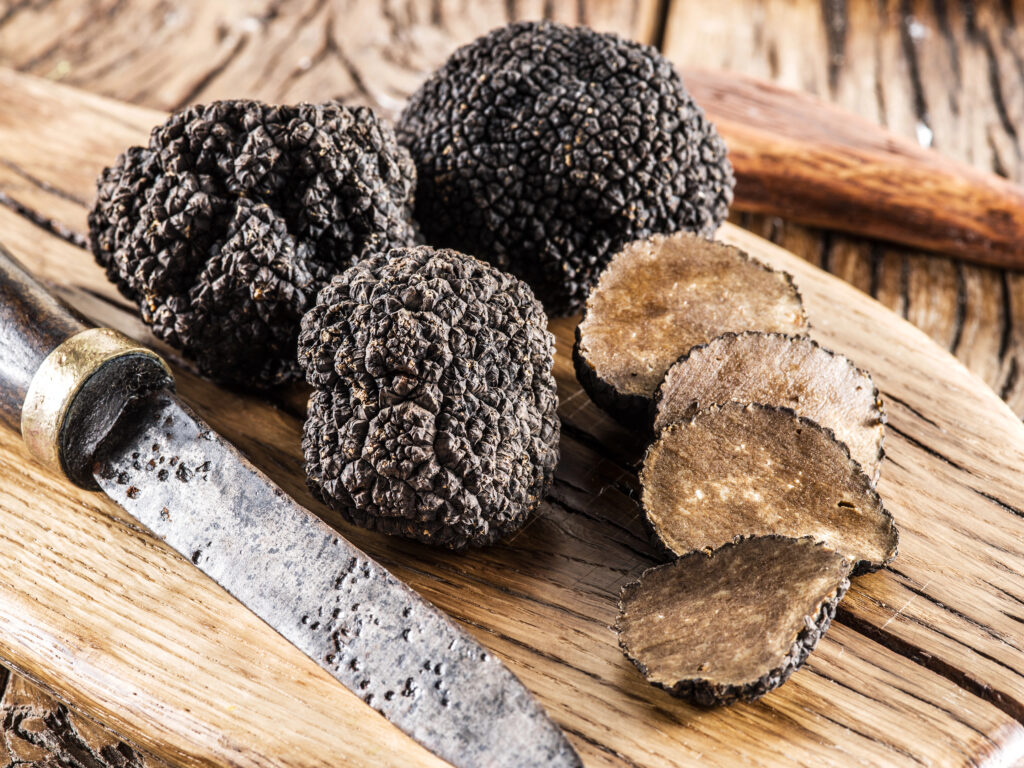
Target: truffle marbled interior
737, 470
660, 297
775, 369
733, 624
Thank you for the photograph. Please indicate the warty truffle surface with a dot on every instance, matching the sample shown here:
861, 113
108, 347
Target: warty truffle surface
544, 148
434, 415
227, 224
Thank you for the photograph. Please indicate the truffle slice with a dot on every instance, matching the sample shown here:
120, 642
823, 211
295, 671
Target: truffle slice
734, 624
545, 148
736, 470
435, 410
776, 369
660, 297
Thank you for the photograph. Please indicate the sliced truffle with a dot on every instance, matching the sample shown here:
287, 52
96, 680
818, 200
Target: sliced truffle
737, 470
734, 624
224, 228
662, 296
545, 148
434, 415
775, 369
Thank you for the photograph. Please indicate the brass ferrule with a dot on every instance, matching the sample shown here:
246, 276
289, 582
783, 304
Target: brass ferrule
61, 378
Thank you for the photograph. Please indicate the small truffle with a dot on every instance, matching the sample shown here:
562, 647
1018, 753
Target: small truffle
660, 297
544, 149
775, 369
734, 624
737, 470
224, 228
434, 415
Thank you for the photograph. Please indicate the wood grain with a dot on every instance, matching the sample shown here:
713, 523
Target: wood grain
924, 665
803, 159
167, 55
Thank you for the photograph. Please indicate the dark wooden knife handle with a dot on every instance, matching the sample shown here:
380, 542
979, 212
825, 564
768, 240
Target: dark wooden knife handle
33, 323
65, 385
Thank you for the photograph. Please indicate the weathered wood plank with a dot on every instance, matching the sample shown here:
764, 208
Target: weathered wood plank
946, 74
925, 664
39, 730
167, 55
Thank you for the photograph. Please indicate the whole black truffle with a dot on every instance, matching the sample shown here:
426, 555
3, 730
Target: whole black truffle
434, 415
544, 149
224, 228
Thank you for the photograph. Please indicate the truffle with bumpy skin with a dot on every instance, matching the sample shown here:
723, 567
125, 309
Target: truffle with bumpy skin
224, 228
544, 149
434, 415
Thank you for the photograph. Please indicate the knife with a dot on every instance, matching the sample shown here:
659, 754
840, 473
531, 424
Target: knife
100, 409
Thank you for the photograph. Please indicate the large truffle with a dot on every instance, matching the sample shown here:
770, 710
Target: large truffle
224, 228
733, 624
544, 148
434, 415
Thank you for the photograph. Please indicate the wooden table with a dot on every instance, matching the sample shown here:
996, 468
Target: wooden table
948, 74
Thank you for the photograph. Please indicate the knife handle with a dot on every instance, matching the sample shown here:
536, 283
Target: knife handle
65, 384
32, 324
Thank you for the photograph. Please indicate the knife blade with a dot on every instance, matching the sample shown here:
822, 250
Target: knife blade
100, 408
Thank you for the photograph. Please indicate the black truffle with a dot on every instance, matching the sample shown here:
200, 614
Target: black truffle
224, 228
544, 148
434, 415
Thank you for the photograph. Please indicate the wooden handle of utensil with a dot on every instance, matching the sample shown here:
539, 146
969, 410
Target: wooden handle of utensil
32, 324
64, 384
800, 158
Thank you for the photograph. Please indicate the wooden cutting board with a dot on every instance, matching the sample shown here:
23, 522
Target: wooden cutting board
924, 665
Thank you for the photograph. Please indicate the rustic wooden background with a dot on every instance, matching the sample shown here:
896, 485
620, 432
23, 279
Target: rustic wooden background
948, 73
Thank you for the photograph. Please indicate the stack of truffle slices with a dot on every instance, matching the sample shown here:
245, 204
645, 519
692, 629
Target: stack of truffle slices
761, 475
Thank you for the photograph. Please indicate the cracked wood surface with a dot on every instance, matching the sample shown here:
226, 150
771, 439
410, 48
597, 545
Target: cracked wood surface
39, 730
924, 664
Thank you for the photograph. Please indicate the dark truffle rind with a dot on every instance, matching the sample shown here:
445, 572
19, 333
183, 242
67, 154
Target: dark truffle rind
710, 693
630, 410
544, 148
435, 415
224, 228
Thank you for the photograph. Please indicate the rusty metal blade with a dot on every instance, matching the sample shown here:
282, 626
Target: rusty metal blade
346, 612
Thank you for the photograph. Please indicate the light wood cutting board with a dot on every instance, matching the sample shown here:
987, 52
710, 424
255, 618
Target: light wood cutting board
924, 665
